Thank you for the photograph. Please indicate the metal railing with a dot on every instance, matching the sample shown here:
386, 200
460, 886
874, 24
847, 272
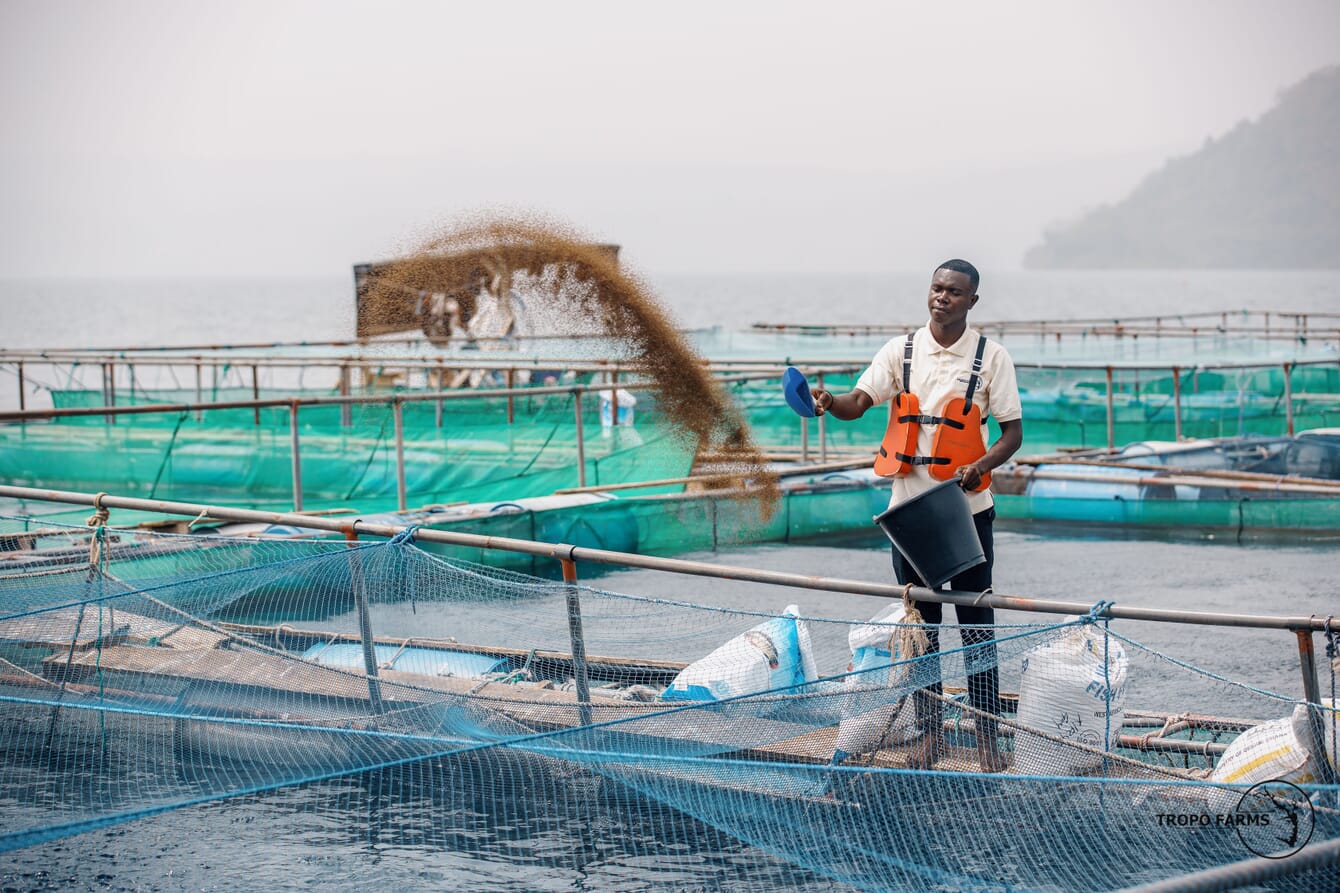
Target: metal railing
568, 556
396, 402
1267, 324
726, 371
1304, 626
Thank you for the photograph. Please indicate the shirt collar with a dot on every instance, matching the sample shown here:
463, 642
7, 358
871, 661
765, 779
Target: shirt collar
964, 346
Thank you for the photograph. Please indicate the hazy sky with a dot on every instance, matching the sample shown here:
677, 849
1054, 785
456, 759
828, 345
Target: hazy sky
144, 138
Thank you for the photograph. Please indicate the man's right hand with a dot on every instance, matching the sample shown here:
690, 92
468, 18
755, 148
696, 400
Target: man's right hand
847, 407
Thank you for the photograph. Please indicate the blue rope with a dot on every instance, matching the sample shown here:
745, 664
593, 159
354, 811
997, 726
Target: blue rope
1097, 612
405, 537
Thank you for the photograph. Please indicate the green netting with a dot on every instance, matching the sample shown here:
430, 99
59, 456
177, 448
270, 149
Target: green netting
468, 453
1067, 408
1242, 512
831, 745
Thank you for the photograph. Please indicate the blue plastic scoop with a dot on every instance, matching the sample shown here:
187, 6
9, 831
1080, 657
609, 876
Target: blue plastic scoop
797, 392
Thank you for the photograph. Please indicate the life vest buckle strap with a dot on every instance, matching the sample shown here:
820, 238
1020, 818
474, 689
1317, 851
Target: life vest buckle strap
921, 460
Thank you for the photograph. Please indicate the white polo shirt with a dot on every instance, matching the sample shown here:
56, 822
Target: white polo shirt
938, 374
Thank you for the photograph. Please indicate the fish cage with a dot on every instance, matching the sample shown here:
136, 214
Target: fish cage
868, 753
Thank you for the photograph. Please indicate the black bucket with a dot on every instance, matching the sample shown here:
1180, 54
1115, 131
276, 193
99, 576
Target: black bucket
935, 533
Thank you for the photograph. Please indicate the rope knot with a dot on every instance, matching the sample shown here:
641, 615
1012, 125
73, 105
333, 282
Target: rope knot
1097, 612
100, 512
405, 537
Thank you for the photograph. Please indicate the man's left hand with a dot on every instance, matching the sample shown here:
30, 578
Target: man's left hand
970, 476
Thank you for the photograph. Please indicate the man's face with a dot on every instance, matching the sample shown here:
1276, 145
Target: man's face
951, 298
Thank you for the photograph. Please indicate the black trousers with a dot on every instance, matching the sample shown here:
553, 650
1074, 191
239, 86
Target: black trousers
983, 675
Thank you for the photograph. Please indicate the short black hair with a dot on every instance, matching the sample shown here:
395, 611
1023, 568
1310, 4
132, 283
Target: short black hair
962, 266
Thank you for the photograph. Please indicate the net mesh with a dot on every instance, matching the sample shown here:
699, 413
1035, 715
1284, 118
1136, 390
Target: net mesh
142, 673
471, 451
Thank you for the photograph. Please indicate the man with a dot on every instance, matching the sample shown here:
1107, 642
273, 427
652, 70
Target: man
953, 373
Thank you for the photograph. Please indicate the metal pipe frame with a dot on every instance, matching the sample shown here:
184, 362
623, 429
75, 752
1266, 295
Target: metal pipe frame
296, 449
1288, 398
503, 361
176, 408
401, 495
675, 565
581, 440
1111, 414
1177, 402
573, 602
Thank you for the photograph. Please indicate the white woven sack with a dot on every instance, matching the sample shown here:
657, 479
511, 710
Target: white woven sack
1063, 692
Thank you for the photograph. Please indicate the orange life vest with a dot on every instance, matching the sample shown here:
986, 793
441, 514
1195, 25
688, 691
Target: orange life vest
958, 434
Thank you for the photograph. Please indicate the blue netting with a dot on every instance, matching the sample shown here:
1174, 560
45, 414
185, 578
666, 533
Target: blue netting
146, 672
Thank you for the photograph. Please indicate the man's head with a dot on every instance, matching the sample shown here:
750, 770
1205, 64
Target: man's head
953, 293
958, 265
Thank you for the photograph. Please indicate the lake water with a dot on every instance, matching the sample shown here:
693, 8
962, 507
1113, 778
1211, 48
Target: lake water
385, 831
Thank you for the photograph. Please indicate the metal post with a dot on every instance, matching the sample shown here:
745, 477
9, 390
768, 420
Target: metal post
346, 411
22, 397
256, 391
578, 641
364, 623
614, 398
441, 381
804, 439
581, 441
199, 397
823, 429
511, 403
1288, 399
111, 390
397, 409
1307, 661
1111, 414
297, 455
1177, 402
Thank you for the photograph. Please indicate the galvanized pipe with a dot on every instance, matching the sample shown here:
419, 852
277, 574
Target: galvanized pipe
1224, 474
832, 364
256, 391
1307, 662
346, 411
1249, 872
1288, 400
572, 597
675, 565
23, 398
296, 451
1205, 481
437, 404
402, 498
1111, 414
581, 440
365, 626
177, 408
1177, 403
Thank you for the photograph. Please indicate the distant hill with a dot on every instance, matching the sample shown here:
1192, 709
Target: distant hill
1265, 196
